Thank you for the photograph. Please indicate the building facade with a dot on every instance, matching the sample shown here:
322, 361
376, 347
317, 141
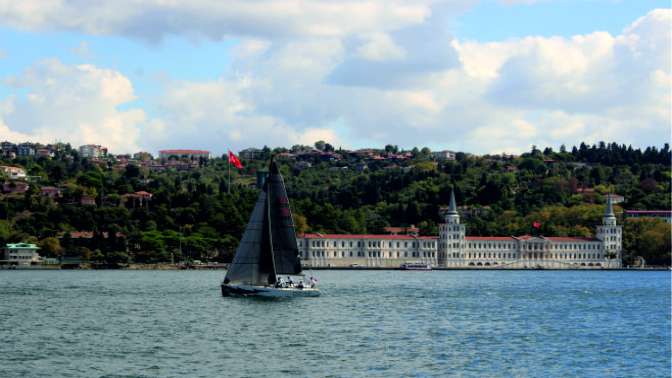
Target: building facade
25, 149
454, 249
443, 155
21, 254
189, 154
13, 172
384, 251
92, 151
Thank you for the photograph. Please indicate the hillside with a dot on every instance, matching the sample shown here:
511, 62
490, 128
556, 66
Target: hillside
117, 208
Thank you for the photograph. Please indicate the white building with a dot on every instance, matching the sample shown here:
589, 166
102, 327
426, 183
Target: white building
453, 249
181, 153
13, 172
21, 254
92, 151
250, 153
443, 155
338, 250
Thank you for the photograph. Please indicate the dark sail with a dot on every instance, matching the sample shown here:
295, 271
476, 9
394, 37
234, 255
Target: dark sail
285, 250
253, 263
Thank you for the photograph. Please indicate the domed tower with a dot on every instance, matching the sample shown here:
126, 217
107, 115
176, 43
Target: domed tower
611, 236
451, 236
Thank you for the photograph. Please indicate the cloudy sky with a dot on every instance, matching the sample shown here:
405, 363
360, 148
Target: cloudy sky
485, 76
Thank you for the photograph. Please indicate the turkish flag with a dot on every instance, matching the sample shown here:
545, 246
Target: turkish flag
536, 224
233, 159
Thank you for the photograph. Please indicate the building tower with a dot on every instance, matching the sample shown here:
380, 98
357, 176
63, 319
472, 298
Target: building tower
611, 236
451, 235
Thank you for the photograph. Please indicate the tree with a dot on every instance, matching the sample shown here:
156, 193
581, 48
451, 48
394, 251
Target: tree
300, 223
648, 238
51, 247
320, 144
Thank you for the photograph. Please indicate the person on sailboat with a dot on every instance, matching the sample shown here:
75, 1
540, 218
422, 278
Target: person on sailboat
290, 283
313, 281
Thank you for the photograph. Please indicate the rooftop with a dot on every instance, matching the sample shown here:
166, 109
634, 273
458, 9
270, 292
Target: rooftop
489, 238
21, 246
366, 236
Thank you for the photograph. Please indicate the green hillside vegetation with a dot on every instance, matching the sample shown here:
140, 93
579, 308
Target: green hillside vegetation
192, 214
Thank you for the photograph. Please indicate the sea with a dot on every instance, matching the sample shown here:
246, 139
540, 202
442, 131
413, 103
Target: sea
118, 323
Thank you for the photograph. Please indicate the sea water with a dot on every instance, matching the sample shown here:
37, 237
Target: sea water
365, 324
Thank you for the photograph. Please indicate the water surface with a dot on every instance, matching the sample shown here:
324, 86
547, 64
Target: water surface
366, 324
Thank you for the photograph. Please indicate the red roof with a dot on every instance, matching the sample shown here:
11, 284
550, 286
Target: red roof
366, 236
489, 238
528, 237
89, 234
185, 152
569, 238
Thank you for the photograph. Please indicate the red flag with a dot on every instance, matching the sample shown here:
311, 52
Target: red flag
536, 224
233, 159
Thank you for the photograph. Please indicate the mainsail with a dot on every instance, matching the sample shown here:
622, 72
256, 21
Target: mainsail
251, 265
285, 250
268, 246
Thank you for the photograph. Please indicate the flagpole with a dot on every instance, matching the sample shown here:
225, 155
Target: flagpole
228, 187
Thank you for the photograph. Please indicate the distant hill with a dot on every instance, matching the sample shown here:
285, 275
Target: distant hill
116, 208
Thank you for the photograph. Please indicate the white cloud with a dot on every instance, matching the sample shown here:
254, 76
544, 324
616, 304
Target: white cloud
77, 104
391, 74
154, 19
502, 96
380, 47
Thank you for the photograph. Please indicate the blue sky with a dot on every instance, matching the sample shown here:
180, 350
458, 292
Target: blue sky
493, 20
241, 76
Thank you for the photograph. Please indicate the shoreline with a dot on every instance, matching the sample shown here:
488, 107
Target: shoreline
148, 267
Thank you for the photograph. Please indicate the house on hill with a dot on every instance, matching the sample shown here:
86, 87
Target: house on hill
140, 198
15, 187
51, 192
21, 254
86, 200
13, 172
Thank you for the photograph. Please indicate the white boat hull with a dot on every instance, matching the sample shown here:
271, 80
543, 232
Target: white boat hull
267, 291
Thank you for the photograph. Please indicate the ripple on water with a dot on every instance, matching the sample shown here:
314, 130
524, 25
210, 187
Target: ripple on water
366, 324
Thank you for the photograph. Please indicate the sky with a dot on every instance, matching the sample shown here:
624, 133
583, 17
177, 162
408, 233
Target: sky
489, 76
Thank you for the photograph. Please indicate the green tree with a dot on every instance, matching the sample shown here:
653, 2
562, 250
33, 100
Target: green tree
51, 247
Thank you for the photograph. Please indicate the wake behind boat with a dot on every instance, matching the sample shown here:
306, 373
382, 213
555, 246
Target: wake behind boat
268, 249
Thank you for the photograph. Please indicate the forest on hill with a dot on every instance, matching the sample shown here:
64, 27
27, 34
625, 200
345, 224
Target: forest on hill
104, 211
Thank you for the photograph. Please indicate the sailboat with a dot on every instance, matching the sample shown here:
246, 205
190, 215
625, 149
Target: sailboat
268, 249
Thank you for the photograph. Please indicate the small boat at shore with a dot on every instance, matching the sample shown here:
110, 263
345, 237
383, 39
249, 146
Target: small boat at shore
415, 266
268, 257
